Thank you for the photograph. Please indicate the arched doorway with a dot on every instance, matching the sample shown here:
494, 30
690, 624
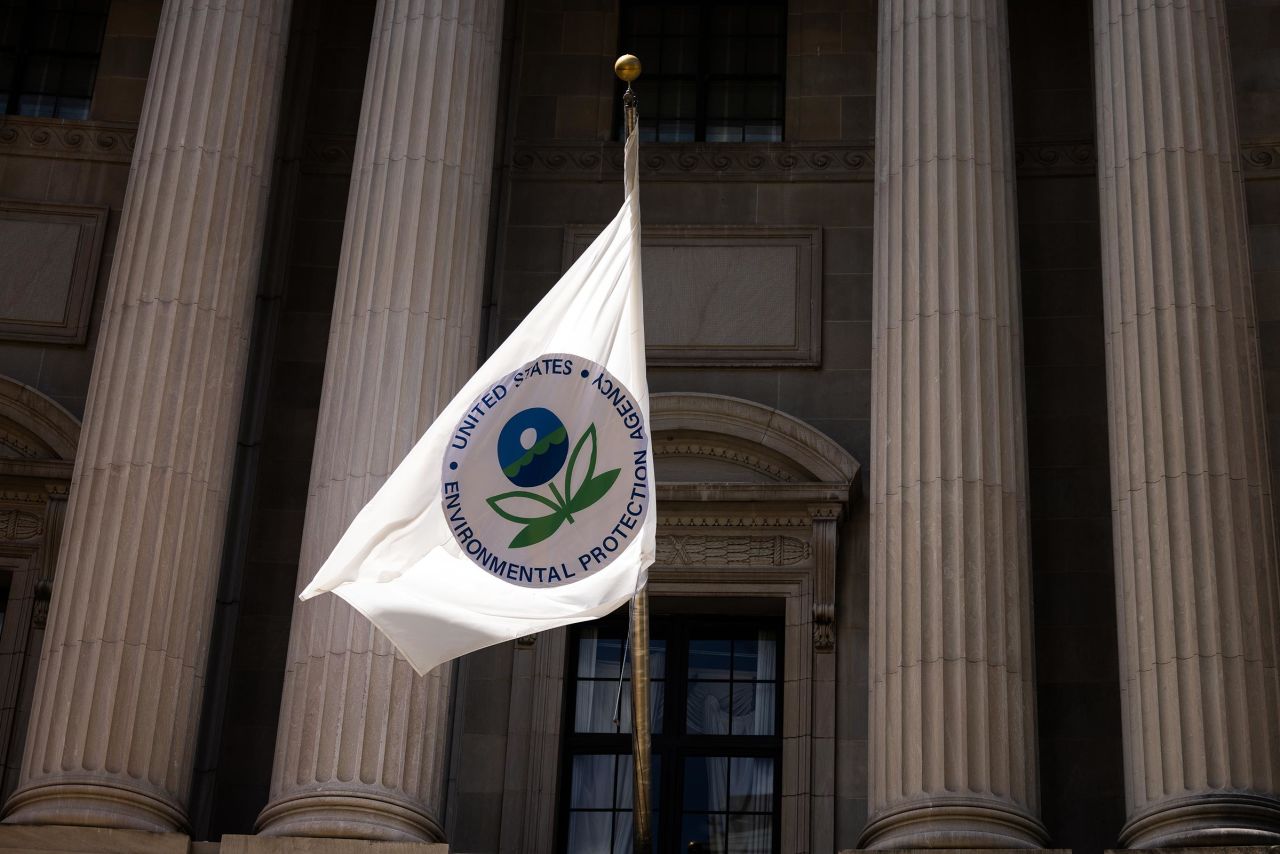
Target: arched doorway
749, 503
37, 451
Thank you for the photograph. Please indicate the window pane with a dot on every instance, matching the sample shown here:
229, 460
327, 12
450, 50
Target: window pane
85, 34
657, 658
761, 56
725, 99
680, 19
54, 46
596, 700
756, 658
49, 31
36, 105
592, 784
678, 99
646, 46
695, 835
709, 659
589, 832
72, 108
763, 132
720, 132
764, 101
754, 705
10, 25
727, 56
42, 74
679, 56
597, 656
626, 781
705, 783
646, 19
657, 706
676, 131
728, 19
701, 56
750, 834
77, 79
623, 841
762, 20
708, 708
594, 705
750, 784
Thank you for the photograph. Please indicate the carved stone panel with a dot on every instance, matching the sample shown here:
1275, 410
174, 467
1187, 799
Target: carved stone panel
727, 295
734, 550
49, 254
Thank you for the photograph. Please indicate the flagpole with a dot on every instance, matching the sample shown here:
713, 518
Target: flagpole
628, 69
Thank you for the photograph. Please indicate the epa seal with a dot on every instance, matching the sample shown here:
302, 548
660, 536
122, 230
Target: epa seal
546, 476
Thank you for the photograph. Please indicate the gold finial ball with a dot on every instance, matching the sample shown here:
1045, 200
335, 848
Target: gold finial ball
627, 68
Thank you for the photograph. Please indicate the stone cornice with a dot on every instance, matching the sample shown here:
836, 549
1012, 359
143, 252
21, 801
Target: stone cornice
697, 161
110, 142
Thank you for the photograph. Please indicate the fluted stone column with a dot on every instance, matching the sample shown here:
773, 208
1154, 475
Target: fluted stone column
113, 727
363, 741
953, 727
1194, 537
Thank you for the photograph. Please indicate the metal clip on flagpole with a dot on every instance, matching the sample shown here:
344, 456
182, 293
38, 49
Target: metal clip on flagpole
628, 69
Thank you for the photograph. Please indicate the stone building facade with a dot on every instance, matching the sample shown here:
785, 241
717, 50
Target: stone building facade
964, 338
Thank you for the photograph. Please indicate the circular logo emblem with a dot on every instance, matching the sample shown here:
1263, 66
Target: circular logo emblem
546, 476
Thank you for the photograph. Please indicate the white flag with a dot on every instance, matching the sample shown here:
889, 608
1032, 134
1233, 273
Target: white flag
528, 503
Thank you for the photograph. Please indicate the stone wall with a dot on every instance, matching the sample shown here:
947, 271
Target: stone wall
1254, 29
72, 168
1082, 783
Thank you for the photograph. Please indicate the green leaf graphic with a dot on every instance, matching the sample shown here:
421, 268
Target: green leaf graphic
588, 437
591, 488
513, 498
592, 491
537, 531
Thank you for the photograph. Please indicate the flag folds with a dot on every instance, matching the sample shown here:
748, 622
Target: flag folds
528, 503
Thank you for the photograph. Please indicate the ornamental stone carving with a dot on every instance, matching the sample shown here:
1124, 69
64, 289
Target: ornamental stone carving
105, 141
1056, 158
1261, 157
783, 161
699, 550
677, 448
15, 525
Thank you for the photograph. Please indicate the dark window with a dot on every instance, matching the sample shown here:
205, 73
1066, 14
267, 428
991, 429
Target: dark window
715, 697
49, 56
712, 71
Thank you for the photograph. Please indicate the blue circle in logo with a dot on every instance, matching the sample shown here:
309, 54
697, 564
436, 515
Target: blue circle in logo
532, 447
